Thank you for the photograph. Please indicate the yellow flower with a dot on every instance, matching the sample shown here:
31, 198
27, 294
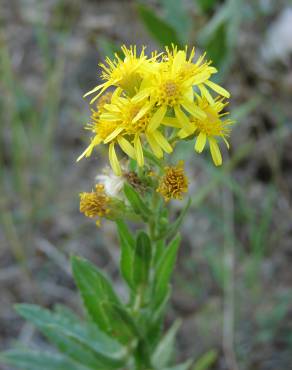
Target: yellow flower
211, 128
132, 120
95, 204
174, 182
170, 87
124, 73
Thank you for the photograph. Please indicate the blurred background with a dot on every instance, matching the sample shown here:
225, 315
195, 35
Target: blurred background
232, 285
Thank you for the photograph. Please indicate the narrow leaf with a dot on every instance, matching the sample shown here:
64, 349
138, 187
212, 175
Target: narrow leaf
95, 288
162, 31
123, 327
35, 360
136, 202
164, 270
164, 351
142, 259
127, 243
206, 360
174, 227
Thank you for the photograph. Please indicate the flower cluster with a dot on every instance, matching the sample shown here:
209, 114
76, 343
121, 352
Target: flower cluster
144, 101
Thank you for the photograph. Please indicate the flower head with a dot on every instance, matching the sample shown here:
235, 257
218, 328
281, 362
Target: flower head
123, 72
95, 204
212, 128
173, 183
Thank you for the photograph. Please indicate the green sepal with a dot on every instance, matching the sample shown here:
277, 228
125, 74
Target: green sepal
142, 259
95, 289
137, 203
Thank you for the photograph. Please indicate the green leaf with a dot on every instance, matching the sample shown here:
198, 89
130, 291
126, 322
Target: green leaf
206, 360
142, 259
160, 30
206, 5
95, 289
123, 327
185, 366
36, 360
182, 20
217, 47
83, 342
164, 351
174, 227
164, 270
127, 243
136, 202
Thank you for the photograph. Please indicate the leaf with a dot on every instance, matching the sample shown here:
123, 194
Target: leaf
95, 289
142, 259
164, 270
174, 227
127, 243
182, 20
136, 202
84, 343
217, 47
185, 366
206, 360
162, 31
206, 5
164, 351
35, 360
123, 327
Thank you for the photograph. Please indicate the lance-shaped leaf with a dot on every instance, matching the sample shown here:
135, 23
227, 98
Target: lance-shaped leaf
137, 203
127, 243
162, 31
185, 366
142, 259
174, 227
95, 289
36, 360
84, 343
164, 270
164, 351
123, 326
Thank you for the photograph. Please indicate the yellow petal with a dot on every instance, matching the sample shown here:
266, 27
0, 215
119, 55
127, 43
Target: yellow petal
182, 118
178, 61
141, 95
205, 93
219, 90
194, 110
96, 88
162, 142
215, 152
114, 134
157, 118
138, 150
114, 160
126, 147
171, 121
153, 145
200, 142
87, 152
142, 111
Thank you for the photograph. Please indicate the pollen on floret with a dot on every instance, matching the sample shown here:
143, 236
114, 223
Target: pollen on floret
173, 183
95, 204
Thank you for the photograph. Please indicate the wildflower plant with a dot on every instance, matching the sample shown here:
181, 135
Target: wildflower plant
144, 106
